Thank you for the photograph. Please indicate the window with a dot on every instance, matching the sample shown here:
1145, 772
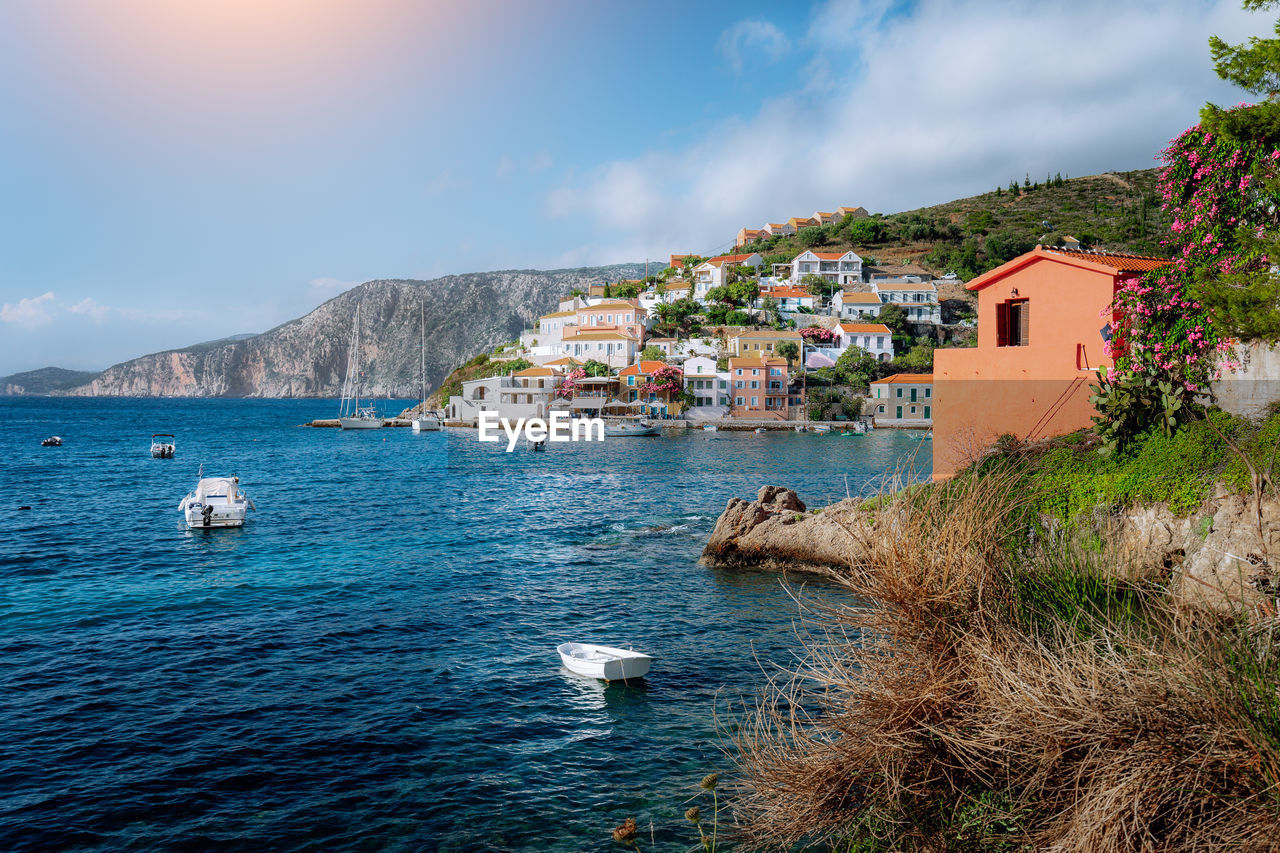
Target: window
913, 396
755, 383
737, 384
739, 372
899, 414
1013, 323
755, 401
926, 412
737, 401
928, 392
899, 392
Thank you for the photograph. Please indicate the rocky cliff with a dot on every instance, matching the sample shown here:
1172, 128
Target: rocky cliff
307, 357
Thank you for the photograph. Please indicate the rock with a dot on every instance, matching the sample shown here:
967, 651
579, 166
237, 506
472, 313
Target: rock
776, 531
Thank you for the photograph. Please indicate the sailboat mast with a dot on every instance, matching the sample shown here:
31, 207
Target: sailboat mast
422, 329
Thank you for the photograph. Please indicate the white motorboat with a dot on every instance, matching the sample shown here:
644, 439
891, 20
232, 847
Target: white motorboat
623, 428
52, 441
711, 427
606, 662
216, 502
821, 428
352, 415
760, 430
163, 446
424, 421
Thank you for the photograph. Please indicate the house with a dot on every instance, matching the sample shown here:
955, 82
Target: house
760, 343
855, 212
676, 289
849, 305
526, 393
708, 386
875, 338
749, 235
790, 299
798, 222
620, 315
667, 345
919, 299
835, 267
902, 400
710, 273
551, 328
677, 261
822, 218
596, 290
761, 388
1040, 339
631, 382
774, 229
609, 346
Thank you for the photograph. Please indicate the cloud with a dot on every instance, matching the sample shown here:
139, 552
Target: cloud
96, 310
330, 286
751, 36
31, 312
910, 110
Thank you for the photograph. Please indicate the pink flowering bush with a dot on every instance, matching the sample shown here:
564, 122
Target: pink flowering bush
1213, 187
667, 380
566, 388
818, 335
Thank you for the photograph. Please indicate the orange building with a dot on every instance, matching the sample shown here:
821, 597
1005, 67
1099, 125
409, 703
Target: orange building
759, 387
1041, 333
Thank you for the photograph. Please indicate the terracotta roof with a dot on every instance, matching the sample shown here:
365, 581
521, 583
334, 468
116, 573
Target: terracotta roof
662, 340
863, 328
776, 225
830, 256
535, 371
678, 260
728, 259
1121, 262
798, 221
860, 297
559, 314
915, 378
641, 368
787, 292
564, 361
678, 285
1103, 262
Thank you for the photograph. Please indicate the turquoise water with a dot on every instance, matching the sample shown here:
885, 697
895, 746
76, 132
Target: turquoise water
370, 663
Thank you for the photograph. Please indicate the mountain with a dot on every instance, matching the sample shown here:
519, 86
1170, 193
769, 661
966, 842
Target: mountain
307, 357
46, 380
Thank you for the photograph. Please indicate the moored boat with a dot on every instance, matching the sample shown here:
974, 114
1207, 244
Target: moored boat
352, 415
821, 428
606, 662
52, 441
163, 446
710, 427
425, 420
215, 502
625, 428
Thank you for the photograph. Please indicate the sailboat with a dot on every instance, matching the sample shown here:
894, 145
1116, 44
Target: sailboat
352, 415
424, 421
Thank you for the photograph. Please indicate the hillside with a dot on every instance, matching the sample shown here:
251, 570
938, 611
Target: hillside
46, 380
1116, 211
307, 357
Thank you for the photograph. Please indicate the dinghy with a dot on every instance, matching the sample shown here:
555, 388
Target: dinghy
604, 662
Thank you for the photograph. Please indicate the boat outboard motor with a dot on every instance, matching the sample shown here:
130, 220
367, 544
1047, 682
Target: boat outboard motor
207, 515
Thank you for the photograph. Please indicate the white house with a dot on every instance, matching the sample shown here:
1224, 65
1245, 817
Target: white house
875, 338
902, 400
614, 348
833, 266
918, 298
773, 229
527, 393
708, 386
790, 300
710, 273
848, 305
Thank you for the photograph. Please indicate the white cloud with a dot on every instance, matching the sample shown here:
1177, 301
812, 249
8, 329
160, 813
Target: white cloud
87, 306
751, 37
949, 101
327, 287
30, 312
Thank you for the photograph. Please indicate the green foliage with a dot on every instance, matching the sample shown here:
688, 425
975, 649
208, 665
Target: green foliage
867, 232
737, 318
652, 353
893, 316
596, 368
833, 403
625, 290
856, 367
788, 350
1254, 67
817, 285
919, 359
506, 368
812, 236
1130, 403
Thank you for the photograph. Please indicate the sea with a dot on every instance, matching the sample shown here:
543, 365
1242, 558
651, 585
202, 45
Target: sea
369, 664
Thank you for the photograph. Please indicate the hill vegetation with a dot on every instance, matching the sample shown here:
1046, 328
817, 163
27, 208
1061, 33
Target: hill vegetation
45, 380
1115, 211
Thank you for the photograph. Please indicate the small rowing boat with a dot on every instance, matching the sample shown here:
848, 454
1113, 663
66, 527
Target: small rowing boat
606, 662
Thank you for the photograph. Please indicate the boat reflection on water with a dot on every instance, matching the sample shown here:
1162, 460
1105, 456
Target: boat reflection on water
592, 694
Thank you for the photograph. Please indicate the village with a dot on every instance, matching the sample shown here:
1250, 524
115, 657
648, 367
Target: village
729, 340
824, 339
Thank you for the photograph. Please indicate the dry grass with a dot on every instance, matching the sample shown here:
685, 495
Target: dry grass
991, 696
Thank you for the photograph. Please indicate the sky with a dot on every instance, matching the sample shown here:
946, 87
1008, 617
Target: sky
177, 171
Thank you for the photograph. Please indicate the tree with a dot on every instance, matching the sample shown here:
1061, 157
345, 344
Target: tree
514, 365
769, 311
818, 286
918, 360
652, 353
856, 367
626, 290
866, 232
1256, 69
788, 350
811, 237
596, 368
894, 317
